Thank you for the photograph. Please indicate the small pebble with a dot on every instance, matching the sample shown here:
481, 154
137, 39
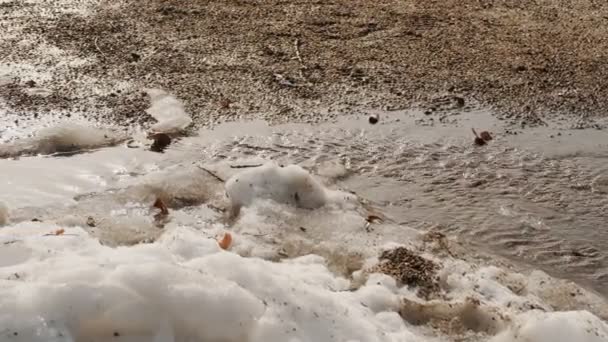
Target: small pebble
161, 141
373, 119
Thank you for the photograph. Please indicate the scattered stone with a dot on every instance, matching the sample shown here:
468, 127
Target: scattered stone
459, 102
161, 142
373, 119
91, 221
479, 142
520, 68
482, 138
336, 75
485, 135
135, 57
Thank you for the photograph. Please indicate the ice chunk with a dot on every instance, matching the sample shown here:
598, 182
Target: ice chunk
64, 137
289, 185
579, 326
168, 111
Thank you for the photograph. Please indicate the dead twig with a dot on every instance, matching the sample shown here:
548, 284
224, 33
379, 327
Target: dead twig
296, 44
244, 166
212, 174
98, 49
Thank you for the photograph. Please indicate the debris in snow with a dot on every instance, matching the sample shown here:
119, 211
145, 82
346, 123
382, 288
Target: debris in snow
56, 232
226, 241
409, 268
481, 139
168, 111
161, 141
3, 214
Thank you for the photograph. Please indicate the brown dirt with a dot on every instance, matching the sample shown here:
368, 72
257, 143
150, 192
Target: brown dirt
410, 269
311, 60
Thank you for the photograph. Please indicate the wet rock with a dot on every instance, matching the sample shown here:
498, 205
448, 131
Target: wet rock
91, 221
135, 57
161, 142
485, 135
373, 119
459, 102
479, 142
520, 68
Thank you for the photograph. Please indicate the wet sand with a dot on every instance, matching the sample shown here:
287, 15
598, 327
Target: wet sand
307, 61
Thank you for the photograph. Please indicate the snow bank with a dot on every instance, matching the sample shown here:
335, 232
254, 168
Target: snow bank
57, 283
182, 288
284, 184
579, 326
168, 111
64, 137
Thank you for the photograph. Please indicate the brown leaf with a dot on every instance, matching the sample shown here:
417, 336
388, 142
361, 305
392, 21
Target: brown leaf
161, 205
59, 231
485, 135
479, 142
373, 218
226, 241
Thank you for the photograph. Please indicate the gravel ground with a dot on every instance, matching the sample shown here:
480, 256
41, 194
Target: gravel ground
530, 61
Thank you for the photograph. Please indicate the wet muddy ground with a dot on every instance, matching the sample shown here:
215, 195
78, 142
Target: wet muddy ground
307, 61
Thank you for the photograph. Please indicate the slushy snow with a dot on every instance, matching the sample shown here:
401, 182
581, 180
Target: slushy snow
289, 184
168, 111
183, 287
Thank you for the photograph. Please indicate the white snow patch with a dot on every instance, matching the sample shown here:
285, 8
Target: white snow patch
534, 326
181, 288
168, 111
288, 185
63, 137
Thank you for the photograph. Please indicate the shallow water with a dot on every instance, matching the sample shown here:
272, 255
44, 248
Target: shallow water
539, 197
537, 200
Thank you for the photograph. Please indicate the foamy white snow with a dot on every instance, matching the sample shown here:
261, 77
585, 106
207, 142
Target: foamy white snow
289, 184
183, 287
168, 111
62, 137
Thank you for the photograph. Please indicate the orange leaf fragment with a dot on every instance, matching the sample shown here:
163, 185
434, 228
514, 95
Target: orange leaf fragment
226, 241
162, 206
59, 231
